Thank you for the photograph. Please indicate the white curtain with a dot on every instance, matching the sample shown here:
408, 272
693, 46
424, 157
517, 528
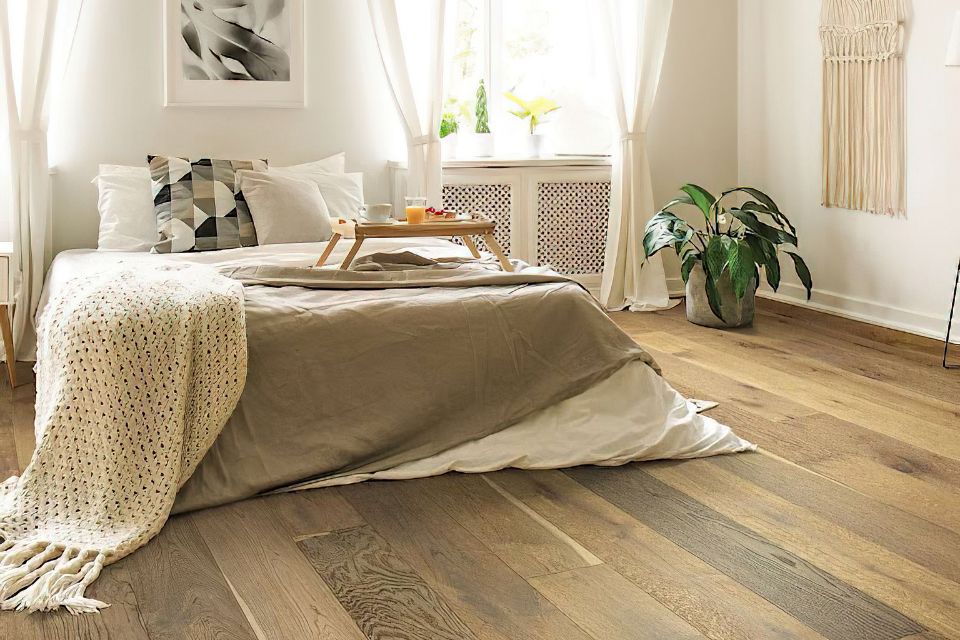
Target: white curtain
412, 36
35, 40
633, 34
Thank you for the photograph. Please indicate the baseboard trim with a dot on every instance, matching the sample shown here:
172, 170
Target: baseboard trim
921, 324
676, 288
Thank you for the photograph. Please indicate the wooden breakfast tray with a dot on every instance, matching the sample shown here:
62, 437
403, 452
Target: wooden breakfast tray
463, 229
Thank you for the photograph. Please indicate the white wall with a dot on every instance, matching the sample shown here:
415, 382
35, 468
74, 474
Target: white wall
692, 135
111, 109
894, 271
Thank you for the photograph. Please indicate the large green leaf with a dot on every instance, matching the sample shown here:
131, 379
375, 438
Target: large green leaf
658, 238
664, 230
803, 272
740, 264
713, 295
688, 263
765, 255
687, 237
772, 234
681, 200
756, 193
761, 248
701, 197
767, 202
716, 257
776, 216
772, 270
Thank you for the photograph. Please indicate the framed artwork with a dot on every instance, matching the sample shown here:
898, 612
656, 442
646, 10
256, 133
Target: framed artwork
234, 53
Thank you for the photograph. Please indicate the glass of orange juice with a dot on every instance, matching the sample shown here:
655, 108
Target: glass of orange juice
416, 209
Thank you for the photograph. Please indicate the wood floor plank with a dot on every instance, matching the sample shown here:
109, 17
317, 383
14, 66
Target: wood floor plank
844, 379
610, 607
484, 592
707, 599
917, 592
868, 517
869, 408
820, 436
903, 343
9, 462
909, 478
23, 422
385, 597
181, 591
814, 596
257, 554
526, 543
308, 513
764, 352
695, 381
861, 358
866, 358
119, 621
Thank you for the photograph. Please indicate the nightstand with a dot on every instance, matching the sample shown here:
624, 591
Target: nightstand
6, 257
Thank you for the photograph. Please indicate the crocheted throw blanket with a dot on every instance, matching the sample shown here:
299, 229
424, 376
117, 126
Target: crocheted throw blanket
137, 373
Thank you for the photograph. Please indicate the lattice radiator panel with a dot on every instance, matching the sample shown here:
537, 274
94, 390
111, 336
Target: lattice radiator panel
492, 201
572, 225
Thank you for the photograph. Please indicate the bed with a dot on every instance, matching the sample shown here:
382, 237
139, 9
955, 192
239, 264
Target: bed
529, 375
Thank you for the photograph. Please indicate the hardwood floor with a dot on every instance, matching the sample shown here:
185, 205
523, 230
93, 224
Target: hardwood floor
846, 524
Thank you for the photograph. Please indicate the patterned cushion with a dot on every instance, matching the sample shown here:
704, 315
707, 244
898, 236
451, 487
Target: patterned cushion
198, 204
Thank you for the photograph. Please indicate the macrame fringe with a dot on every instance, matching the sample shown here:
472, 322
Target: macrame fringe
863, 112
42, 576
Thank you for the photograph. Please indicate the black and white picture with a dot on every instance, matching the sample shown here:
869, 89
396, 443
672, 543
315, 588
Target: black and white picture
235, 40
234, 53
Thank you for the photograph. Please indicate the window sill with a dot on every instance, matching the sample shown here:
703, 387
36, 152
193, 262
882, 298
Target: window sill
510, 162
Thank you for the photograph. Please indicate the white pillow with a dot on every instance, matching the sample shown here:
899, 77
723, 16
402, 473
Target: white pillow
333, 164
127, 218
343, 193
285, 209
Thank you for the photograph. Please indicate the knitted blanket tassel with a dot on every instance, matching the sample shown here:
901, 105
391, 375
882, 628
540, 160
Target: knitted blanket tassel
39, 572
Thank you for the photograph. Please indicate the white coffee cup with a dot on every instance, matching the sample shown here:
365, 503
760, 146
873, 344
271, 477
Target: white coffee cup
377, 212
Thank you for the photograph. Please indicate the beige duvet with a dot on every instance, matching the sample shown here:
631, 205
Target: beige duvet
351, 383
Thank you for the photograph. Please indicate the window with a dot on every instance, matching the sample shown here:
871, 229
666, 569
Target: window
531, 48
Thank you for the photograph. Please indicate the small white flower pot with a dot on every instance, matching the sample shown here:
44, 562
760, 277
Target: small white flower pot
449, 146
535, 145
481, 145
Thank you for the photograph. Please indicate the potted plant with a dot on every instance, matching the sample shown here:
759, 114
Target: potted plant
535, 110
449, 126
482, 139
721, 265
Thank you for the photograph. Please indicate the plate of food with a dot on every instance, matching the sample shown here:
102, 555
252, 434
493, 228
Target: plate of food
444, 215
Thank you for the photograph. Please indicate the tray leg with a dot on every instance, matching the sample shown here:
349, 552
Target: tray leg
326, 252
494, 246
471, 245
351, 254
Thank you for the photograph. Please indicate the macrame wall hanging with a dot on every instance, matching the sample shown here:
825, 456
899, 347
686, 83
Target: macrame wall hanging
863, 105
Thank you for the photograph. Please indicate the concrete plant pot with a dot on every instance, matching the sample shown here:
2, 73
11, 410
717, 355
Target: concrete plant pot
736, 313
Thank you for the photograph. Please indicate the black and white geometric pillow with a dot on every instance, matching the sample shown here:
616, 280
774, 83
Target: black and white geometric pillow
199, 206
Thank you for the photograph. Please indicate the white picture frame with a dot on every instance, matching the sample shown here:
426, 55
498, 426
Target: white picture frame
182, 92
